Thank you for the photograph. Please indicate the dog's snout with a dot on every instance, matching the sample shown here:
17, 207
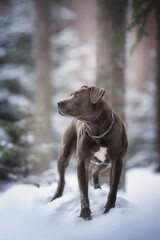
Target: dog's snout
60, 107
60, 104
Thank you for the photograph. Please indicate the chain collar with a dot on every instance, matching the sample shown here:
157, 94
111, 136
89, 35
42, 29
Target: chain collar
107, 131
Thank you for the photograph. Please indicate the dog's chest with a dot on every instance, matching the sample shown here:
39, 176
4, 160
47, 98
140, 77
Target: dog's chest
101, 154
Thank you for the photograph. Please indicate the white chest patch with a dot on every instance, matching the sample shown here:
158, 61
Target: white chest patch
101, 154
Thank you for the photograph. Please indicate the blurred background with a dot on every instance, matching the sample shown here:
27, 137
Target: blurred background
50, 48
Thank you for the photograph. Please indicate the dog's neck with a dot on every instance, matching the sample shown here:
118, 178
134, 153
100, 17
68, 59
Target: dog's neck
102, 124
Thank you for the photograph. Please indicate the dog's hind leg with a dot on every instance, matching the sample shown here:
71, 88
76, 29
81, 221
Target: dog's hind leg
95, 174
99, 167
67, 149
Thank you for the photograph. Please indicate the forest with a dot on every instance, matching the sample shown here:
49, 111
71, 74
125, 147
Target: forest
49, 49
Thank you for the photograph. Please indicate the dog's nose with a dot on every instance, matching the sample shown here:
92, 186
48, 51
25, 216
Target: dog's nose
60, 104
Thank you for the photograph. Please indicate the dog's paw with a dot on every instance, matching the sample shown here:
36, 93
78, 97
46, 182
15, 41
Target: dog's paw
56, 196
108, 207
97, 186
85, 214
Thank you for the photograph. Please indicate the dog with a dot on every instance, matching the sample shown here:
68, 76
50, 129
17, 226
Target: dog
96, 133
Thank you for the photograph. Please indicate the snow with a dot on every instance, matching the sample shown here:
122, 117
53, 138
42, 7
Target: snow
3, 135
20, 72
26, 213
22, 17
62, 12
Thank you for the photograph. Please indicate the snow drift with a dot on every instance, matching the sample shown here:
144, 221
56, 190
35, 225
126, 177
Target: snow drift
26, 213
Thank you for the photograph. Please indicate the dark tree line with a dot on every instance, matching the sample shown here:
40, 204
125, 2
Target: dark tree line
43, 89
112, 27
140, 13
33, 49
111, 59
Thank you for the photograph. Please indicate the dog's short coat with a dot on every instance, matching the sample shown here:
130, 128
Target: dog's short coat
97, 134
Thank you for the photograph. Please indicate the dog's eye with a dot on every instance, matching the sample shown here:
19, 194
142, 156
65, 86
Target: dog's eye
76, 96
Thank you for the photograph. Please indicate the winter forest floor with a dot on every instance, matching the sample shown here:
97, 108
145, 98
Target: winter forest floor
26, 213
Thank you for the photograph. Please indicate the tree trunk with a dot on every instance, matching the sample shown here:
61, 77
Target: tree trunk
43, 90
111, 62
158, 87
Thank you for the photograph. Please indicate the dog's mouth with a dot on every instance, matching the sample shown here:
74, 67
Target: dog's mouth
60, 112
63, 114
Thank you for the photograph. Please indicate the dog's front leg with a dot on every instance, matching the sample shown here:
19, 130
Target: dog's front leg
115, 177
62, 164
83, 187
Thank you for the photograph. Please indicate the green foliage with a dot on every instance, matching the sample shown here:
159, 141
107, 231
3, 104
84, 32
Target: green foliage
140, 12
15, 130
13, 160
118, 40
14, 157
14, 154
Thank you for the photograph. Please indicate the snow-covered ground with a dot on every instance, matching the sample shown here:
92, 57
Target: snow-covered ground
26, 213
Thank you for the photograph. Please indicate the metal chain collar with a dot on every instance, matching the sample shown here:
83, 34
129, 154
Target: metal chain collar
107, 131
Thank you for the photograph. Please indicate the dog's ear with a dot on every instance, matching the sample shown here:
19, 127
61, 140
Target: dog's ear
96, 94
84, 86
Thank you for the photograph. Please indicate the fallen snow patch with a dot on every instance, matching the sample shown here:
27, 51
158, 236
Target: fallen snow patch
26, 213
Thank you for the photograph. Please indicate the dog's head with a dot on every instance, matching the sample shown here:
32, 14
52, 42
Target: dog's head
82, 104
